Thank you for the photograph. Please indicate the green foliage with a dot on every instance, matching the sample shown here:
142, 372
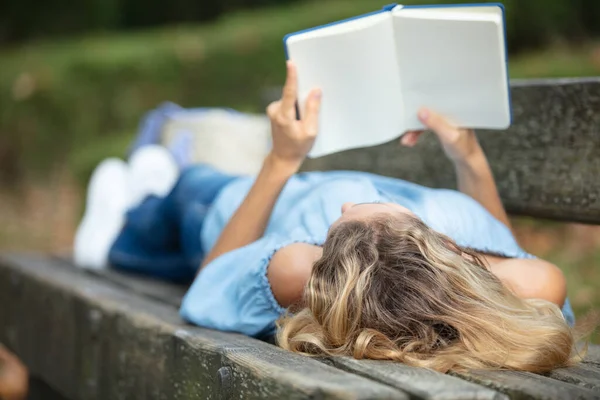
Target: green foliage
531, 22
62, 98
26, 19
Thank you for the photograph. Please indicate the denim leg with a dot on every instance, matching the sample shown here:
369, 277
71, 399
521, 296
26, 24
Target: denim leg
161, 236
191, 206
131, 254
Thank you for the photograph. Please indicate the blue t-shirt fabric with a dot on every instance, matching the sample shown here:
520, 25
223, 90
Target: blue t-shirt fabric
232, 293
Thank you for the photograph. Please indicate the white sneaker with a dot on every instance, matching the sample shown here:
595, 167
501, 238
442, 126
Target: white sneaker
152, 171
106, 205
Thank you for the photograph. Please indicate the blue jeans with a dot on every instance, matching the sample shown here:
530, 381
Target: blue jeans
161, 236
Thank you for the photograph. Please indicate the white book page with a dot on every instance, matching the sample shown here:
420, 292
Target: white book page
453, 60
354, 63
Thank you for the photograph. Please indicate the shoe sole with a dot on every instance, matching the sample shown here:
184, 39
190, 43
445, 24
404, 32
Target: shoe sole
104, 216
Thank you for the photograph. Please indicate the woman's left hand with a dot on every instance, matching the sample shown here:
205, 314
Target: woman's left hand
460, 144
292, 138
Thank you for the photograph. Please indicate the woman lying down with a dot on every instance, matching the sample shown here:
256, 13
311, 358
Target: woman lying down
339, 262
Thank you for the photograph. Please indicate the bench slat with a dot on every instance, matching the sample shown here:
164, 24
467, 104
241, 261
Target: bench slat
581, 375
520, 385
420, 383
546, 165
91, 339
593, 355
103, 340
166, 292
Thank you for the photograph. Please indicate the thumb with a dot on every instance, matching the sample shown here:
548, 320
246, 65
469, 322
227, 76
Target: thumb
438, 124
311, 114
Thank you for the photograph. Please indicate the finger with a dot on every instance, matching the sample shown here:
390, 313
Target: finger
273, 109
437, 123
407, 139
410, 138
290, 91
311, 111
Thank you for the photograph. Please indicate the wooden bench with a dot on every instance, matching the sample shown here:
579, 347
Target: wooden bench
110, 335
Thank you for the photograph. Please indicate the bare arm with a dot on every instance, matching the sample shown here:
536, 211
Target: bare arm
532, 279
289, 271
473, 171
292, 139
250, 220
527, 278
475, 179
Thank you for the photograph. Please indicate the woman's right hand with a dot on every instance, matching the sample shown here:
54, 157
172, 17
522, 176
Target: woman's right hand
292, 138
459, 144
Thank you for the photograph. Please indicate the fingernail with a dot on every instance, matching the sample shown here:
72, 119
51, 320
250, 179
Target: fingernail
317, 94
423, 114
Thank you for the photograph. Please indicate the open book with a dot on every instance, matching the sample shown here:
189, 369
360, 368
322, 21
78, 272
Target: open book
378, 69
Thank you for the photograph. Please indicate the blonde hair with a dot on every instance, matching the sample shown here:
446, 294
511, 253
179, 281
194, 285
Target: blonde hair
394, 289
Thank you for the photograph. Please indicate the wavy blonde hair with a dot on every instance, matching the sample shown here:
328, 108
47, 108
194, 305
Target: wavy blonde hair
394, 289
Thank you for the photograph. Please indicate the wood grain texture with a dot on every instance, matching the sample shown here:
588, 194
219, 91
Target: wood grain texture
91, 339
524, 385
164, 291
593, 355
419, 383
581, 375
546, 165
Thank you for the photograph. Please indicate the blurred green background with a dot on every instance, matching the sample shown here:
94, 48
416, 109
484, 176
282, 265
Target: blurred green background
75, 79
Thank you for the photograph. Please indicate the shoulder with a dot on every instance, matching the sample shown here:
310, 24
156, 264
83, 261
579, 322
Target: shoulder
467, 222
289, 271
533, 279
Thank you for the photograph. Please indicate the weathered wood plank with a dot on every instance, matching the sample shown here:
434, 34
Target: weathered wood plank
148, 351
547, 164
166, 292
593, 355
419, 383
39, 390
93, 340
581, 375
524, 385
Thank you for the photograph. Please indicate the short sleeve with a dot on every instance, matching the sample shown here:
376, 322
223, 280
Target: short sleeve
232, 293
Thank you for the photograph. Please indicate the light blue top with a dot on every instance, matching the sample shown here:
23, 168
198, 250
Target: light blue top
233, 293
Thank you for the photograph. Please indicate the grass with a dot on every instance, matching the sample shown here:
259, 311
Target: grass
61, 97
559, 61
